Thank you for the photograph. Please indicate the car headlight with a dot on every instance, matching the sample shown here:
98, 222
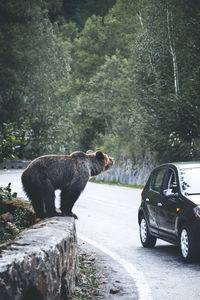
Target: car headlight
197, 211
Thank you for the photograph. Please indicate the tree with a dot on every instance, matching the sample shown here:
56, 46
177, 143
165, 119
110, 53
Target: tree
160, 70
111, 74
34, 68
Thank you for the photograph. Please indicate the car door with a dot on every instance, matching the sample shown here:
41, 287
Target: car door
169, 207
153, 197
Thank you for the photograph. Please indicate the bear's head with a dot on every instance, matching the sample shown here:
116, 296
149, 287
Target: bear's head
101, 162
108, 160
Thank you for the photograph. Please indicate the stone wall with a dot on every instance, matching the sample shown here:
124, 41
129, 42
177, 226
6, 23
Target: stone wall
126, 172
41, 263
14, 164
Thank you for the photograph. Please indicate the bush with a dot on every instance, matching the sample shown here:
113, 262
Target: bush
6, 193
15, 215
13, 140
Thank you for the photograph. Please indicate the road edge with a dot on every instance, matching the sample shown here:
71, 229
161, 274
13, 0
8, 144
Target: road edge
143, 289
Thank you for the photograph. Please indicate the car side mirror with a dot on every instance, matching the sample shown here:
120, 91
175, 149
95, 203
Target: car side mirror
169, 194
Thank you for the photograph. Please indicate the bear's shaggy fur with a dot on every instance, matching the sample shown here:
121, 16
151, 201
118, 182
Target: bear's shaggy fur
69, 173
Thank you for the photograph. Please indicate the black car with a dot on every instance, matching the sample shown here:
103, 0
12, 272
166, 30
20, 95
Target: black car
170, 207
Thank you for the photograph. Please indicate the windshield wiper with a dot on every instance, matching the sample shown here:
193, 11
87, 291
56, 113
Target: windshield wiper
191, 194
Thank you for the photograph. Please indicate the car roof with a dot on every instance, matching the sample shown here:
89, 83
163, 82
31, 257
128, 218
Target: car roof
183, 165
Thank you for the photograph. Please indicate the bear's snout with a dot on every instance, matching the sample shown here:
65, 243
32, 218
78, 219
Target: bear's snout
109, 162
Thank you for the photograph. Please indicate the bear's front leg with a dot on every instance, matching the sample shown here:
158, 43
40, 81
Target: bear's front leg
68, 198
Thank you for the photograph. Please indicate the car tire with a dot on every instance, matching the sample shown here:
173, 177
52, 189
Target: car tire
147, 240
187, 245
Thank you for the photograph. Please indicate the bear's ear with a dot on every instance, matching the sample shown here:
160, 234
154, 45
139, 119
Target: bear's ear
99, 155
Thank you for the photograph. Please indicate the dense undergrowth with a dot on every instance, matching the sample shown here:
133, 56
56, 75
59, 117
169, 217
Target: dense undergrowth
15, 214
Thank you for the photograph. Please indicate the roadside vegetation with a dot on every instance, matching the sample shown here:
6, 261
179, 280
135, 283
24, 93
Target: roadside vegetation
87, 286
119, 75
116, 183
94, 282
15, 215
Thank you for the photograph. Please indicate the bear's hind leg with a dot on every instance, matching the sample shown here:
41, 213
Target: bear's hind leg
34, 195
38, 206
48, 195
68, 198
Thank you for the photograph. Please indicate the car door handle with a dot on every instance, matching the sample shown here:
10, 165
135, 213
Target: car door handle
159, 204
147, 199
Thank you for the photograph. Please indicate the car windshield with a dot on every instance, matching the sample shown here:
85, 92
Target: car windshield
190, 181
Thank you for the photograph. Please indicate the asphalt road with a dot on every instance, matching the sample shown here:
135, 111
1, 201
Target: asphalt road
108, 223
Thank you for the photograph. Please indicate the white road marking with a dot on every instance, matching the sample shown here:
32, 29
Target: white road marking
144, 292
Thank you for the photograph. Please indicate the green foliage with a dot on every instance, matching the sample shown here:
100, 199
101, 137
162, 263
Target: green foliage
79, 11
122, 76
13, 140
20, 215
170, 128
7, 233
34, 64
6, 193
22, 218
92, 179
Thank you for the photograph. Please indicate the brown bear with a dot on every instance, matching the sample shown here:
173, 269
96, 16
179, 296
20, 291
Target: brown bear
69, 173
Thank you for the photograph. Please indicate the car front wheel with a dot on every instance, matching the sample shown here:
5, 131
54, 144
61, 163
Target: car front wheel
147, 240
187, 245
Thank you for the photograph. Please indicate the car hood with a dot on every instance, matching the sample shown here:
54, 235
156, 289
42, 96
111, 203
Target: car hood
195, 199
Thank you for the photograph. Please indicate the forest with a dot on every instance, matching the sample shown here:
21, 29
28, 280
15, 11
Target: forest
122, 76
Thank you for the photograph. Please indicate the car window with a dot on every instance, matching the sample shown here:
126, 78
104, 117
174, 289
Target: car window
157, 179
172, 181
189, 180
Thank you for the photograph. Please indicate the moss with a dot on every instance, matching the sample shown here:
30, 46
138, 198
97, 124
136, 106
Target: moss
23, 216
5, 236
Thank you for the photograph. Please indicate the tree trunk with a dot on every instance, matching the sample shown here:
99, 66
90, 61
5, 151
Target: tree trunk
172, 49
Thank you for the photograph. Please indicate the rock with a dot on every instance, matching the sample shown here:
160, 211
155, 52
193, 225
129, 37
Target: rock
95, 292
42, 262
12, 228
7, 217
125, 171
91, 259
105, 282
114, 290
86, 262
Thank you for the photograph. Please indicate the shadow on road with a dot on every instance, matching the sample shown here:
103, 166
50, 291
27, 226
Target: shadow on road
169, 250
169, 253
